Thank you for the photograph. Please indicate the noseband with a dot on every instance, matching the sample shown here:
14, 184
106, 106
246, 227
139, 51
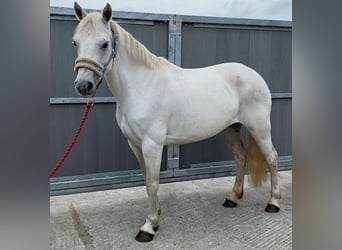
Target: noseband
93, 65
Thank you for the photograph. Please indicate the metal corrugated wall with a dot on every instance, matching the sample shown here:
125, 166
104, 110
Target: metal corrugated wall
101, 158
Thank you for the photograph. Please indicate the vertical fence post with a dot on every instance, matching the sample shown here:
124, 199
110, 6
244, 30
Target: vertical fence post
174, 56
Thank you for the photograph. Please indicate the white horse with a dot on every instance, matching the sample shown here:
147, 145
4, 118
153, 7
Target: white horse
159, 103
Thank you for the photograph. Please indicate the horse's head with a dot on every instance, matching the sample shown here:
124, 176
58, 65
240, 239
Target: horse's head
95, 45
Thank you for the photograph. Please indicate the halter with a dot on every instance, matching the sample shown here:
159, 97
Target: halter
93, 65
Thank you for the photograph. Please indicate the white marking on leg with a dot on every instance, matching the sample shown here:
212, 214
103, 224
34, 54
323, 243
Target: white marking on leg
147, 227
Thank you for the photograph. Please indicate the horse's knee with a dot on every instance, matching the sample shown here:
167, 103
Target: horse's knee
152, 187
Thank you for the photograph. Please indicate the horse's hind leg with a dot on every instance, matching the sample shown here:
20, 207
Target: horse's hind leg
233, 139
262, 136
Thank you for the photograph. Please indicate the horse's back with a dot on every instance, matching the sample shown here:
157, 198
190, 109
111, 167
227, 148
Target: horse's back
248, 83
235, 81
206, 100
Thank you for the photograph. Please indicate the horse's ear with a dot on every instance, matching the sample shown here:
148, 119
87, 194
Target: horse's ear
107, 13
79, 11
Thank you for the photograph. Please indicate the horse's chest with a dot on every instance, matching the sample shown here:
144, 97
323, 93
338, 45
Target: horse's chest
128, 128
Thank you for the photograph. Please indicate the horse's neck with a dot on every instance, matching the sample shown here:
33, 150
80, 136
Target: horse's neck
133, 64
125, 75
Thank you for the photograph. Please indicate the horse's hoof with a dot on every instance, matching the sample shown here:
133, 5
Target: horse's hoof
229, 203
272, 208
144, 237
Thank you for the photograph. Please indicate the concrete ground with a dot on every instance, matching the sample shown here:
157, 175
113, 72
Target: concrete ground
192, 218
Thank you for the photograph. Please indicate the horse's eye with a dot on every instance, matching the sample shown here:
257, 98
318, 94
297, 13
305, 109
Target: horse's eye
74, 43
104, 45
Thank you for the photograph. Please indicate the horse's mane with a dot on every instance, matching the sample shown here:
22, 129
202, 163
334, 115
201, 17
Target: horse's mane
137, 50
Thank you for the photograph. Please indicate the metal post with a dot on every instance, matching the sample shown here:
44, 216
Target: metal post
175, 39
175, 54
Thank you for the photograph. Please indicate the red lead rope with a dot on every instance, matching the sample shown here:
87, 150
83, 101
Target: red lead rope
78, 132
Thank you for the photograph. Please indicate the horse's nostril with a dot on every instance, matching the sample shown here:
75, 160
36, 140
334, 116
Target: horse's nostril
89, 86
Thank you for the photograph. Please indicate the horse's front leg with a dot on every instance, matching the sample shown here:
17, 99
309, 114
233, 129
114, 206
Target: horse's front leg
152, 153
138, 154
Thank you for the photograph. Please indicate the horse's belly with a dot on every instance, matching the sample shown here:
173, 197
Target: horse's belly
201, 120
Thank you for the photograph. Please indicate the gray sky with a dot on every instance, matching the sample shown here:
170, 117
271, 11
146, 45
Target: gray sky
256, 9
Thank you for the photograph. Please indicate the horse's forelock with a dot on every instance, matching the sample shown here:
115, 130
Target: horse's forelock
91, 21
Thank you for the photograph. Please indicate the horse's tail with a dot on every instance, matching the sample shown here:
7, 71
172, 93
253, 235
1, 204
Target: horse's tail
256, 163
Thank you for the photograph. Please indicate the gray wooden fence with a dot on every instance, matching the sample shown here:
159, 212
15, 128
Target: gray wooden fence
101, 159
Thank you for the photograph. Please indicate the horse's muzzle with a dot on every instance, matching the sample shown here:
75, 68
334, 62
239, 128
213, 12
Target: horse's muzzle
85, 88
